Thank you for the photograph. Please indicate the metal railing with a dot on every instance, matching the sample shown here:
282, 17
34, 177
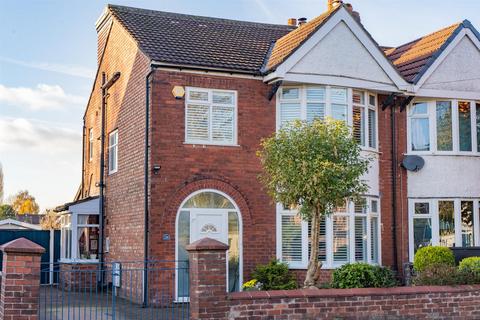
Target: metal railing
83, 291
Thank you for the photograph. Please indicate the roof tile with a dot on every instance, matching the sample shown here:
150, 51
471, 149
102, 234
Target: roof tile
411, 59
200, 41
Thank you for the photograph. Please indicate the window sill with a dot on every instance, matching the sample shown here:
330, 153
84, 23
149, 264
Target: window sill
112, 172
375, 151
443, 154
205, 145
328, 267
79, 261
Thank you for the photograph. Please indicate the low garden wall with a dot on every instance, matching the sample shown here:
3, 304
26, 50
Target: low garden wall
462, 302
209, 300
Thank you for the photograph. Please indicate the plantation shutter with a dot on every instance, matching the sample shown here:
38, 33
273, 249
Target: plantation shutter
340, 239
197, 122
291, 238
289, 112
315, 111
374, 239
372, 129
361, 239
359, 125
222, 124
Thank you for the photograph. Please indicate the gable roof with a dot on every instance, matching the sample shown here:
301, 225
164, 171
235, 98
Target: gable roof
287, 44
414, 58
199, 41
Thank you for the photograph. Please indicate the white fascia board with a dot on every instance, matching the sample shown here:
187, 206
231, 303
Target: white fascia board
343, 15
447, 94
340, 81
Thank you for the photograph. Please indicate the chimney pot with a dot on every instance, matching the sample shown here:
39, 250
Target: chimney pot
292, 22
302, 21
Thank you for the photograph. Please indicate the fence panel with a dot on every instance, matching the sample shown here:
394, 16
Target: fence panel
84, 291
40, 237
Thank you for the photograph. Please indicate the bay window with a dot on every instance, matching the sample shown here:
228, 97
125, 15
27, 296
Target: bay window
357, 108
443, 222
444, 127
79, 237
350, 234
211, 116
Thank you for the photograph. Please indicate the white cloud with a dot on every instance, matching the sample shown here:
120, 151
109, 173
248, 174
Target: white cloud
71, 70
36, 137
42, 97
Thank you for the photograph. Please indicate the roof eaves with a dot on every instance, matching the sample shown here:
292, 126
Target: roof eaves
435, 56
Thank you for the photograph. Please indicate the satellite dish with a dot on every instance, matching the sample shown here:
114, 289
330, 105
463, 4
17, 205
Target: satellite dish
413, 163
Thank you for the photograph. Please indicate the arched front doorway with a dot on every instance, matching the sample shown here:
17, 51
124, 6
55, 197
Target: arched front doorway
213, 214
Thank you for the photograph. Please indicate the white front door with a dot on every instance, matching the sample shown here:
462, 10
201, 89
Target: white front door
209, 223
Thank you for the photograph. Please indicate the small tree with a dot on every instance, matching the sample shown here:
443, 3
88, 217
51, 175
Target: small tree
6, 212
313, 167
24, 203
50, 220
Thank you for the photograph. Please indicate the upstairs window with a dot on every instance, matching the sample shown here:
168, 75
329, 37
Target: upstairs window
419, 126
307, 103
113, 152
445, 126
364, 119
90, 144
210, 116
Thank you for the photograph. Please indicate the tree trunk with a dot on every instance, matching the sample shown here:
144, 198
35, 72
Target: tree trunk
314, 266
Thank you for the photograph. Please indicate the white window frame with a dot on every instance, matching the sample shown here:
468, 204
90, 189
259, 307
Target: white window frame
365, 107
90, 144
113, 148
210, 103
432, 117
302, 99
330, 263
73, 225
435, 220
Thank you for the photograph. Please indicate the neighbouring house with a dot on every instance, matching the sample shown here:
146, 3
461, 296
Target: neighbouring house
18, 224
180, 104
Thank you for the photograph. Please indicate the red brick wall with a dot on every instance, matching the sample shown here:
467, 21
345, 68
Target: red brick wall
125, 111
378, 303
186, 168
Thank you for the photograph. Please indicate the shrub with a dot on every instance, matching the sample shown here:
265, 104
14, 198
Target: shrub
440, 274
470, 268
471, 264
274, 276
363, 275
429, 256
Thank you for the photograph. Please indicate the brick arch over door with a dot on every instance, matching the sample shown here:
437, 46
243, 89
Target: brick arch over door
181, 194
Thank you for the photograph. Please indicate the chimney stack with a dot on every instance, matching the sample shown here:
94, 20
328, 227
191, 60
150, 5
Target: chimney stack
354, 14
332, 4
302, 21
292, 22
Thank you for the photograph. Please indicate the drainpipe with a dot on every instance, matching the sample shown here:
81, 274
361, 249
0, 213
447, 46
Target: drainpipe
394, 184
146, 182
105, 86
82, 187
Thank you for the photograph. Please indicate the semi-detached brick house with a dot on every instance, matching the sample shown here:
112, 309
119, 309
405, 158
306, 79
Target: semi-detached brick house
213, 88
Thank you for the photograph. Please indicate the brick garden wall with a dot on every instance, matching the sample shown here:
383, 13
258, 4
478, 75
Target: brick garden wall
377, 303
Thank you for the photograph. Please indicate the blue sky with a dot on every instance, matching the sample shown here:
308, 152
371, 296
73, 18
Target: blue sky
48, 60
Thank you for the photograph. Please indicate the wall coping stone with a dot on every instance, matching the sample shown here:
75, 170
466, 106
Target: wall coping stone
22, 246
326, 293
207, 244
